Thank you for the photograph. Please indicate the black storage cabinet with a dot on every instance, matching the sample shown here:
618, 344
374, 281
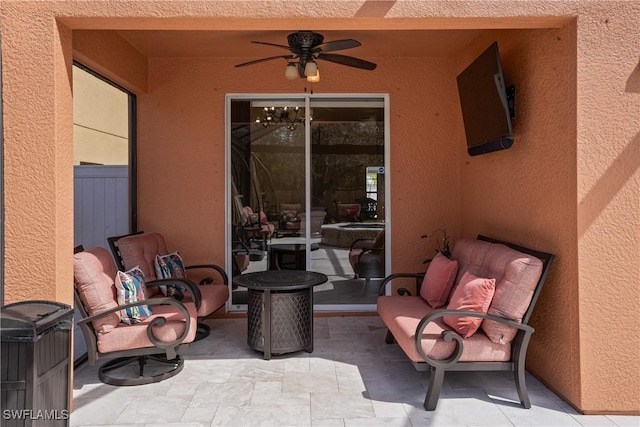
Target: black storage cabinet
35, 345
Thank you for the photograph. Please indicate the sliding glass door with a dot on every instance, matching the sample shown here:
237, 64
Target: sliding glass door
306, 180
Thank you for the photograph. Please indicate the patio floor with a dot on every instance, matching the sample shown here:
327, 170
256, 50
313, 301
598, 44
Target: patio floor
352, 378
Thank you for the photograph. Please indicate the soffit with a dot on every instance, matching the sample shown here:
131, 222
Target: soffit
387, 43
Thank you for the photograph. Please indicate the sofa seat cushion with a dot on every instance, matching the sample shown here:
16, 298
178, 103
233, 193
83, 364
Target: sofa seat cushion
213, 298
126, 337
402, 314
516, 275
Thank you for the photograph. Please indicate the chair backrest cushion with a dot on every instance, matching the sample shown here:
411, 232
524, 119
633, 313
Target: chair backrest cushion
94, 273
348, 211
378, 243
293, 207
516, 275
141, 250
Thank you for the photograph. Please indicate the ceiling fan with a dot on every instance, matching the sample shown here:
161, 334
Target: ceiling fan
306, 47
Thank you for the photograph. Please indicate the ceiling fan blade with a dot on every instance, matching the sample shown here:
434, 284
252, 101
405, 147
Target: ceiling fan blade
349, 61
265, 59
336, 45
273, 44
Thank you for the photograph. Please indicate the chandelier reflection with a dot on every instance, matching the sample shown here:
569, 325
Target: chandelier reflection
289, 117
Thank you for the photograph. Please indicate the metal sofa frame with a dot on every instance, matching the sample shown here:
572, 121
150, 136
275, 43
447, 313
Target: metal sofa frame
519, 345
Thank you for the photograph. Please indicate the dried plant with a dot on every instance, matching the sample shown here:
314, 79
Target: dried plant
442, 242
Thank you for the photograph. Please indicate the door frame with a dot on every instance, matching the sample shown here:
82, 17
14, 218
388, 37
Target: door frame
308, 98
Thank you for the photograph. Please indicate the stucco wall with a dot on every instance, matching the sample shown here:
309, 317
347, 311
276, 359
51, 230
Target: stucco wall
608, 202
527, 194
181, 145
588, 315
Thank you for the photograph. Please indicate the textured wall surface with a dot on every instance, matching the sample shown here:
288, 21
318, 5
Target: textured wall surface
569, 185
185, 108
608, 202
527, 194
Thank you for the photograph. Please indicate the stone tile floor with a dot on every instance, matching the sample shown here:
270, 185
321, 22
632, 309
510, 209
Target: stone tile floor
352, 378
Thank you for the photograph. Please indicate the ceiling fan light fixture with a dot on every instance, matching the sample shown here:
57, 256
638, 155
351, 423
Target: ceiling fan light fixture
314, 79
310, 69
291, 72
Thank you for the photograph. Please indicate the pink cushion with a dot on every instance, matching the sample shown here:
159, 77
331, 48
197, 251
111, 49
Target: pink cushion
438, 281
263, 218
213, 298
472, 294
94, 271
141, 250
402, 314
293, 207
516, 275
126, 337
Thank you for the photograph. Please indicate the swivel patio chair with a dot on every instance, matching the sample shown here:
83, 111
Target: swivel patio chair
142, 248
154, 342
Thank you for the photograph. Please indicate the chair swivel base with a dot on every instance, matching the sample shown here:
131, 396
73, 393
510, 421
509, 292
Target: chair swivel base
120, 372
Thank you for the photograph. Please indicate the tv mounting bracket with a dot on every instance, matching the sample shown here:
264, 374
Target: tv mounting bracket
511, 100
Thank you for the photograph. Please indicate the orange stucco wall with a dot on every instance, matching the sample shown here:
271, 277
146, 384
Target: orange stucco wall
185, 108
569, 185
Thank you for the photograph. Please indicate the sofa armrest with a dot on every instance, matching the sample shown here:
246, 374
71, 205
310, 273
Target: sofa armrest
450, 335
417, 276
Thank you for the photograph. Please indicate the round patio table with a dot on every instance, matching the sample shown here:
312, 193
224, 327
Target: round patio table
280, 309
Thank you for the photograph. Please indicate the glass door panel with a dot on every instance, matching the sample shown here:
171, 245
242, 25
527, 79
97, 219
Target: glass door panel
347, 145
268, 193
306, 181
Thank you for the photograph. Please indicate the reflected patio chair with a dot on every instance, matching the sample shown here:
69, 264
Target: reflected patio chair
366, 256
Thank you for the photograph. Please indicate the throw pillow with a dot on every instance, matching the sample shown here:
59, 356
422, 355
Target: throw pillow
472, 294
437, 283
171, 266
131, 288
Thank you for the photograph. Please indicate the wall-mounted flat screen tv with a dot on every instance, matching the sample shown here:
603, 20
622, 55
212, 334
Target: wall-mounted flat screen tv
485, 105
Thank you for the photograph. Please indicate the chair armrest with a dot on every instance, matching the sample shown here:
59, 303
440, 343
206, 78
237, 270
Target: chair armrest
450, 335
187, 284
375, 251
209, 280
243, 249
168, 347
417, 276
353, 244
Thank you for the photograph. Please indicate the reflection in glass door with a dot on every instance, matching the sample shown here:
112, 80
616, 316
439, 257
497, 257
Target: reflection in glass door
347, 200
306, 181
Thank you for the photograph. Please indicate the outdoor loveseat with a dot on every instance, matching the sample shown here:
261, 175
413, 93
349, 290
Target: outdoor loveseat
470, 312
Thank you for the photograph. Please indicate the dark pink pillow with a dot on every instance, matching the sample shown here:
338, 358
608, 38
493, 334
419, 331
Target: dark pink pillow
437, 283
472, 294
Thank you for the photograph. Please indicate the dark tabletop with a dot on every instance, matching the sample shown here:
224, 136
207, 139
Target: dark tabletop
293, 247
280, 280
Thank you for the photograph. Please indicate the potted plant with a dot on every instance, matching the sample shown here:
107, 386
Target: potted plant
442, 243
